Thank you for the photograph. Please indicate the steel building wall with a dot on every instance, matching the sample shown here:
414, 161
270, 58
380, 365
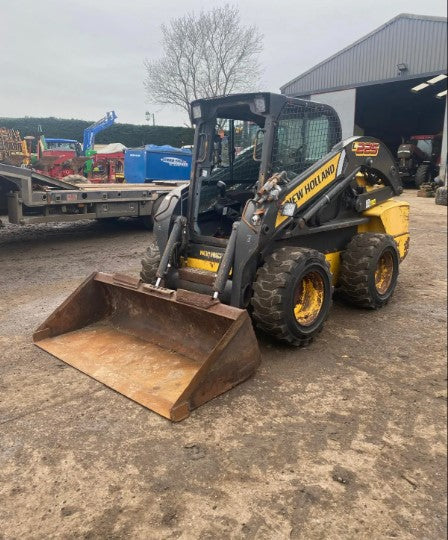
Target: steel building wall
344, 103
443, 155
417, 41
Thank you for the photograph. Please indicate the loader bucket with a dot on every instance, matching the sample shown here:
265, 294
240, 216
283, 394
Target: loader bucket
170, 351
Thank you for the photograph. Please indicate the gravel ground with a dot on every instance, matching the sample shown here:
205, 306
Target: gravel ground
344, 439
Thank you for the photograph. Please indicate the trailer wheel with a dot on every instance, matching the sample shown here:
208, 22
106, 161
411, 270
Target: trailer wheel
369, 270
292, 295
147, 222
150, 264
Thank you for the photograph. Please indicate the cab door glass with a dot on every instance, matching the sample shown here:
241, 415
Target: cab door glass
302, 137
233, 166
221, 147
317, 131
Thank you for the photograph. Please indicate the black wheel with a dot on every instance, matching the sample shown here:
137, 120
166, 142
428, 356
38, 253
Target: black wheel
148, 222
110, 220
292, 295
407, 181
369, 270
441, 196
150, 264
422, 175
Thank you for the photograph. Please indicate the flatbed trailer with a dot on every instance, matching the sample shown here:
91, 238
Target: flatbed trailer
27, 196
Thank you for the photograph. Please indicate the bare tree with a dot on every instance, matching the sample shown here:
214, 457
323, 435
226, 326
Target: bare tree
208, 55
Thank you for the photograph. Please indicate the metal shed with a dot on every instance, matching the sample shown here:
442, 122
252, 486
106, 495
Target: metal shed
371, 83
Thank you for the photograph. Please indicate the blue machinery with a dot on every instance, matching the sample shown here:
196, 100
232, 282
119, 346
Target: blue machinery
91, 131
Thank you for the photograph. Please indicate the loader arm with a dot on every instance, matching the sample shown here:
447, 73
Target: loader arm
363, 156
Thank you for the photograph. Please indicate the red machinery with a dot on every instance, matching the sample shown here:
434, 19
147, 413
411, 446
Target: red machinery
63, 159
107, 167
419, 158
60, 158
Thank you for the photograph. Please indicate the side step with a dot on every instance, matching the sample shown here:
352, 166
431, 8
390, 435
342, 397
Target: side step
196, 275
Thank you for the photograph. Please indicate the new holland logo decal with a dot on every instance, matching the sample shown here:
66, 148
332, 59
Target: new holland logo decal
310, 187
363, 148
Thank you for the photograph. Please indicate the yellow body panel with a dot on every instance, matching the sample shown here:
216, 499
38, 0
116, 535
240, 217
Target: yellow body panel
201, 264
402, 242
390, 217
334, 260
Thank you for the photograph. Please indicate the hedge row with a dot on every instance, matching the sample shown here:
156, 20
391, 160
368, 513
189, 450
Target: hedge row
130, 135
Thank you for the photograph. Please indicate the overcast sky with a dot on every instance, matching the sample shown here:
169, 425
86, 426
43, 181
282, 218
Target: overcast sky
81, 58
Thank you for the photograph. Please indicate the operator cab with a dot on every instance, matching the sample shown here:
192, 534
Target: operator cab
429, 145
63, 145
240, 141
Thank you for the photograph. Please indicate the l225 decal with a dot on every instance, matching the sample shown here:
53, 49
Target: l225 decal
364, 148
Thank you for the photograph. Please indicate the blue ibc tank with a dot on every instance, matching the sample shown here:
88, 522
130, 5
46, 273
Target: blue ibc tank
154, 162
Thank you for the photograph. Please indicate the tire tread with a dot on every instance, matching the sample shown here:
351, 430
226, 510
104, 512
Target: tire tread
356, 267
150, 264
269, 287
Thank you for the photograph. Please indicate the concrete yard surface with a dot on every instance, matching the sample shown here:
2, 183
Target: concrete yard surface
343, 439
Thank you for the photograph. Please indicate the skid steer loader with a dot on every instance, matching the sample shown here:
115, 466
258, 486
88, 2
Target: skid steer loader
278, 213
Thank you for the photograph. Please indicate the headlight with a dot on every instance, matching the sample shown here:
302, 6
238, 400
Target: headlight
260, 104
196, 112
288, 209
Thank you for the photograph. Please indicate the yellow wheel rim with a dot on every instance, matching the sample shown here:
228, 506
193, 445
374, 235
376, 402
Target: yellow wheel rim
384, 272
309, 298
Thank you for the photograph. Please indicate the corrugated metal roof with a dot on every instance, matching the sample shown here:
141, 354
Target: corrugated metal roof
418, 41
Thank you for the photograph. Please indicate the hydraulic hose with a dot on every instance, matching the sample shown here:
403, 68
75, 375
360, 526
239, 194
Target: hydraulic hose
173, 240
226, 263
326, 199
